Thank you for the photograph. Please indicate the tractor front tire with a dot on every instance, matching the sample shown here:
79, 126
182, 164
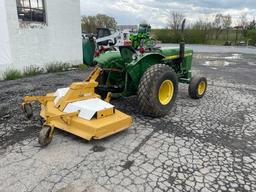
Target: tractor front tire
157, 90
44, 137
197, 87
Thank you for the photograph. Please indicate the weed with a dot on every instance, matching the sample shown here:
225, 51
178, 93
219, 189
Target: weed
32, 71
57, 67
12, 74
82, 67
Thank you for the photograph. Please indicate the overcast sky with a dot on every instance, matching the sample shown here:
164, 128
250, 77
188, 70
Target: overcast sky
156, 12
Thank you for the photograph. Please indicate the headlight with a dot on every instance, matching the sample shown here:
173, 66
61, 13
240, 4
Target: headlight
134, 56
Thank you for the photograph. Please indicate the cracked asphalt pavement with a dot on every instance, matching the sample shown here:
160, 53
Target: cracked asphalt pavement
202, 145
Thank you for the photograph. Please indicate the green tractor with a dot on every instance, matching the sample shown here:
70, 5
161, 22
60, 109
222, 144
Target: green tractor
152, 75
142, 37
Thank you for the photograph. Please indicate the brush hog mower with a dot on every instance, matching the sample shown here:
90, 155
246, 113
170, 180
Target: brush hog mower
78, 110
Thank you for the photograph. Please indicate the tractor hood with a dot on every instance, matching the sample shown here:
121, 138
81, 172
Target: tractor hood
170, 51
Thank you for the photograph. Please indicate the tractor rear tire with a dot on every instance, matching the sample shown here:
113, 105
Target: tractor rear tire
157, 90
197, 87
44, 137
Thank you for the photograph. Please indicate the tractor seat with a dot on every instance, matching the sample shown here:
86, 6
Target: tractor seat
127, 52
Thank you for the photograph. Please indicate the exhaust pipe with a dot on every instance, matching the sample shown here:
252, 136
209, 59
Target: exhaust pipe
182, 51
182, 43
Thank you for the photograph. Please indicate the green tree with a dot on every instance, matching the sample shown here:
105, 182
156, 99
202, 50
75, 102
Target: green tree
91, 23
251, 34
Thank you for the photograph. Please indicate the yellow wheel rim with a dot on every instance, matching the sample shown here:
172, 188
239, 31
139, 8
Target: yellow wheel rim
201, 88
166, 92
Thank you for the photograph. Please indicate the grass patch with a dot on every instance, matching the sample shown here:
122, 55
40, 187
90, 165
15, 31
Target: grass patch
57, 67
12, 74
82, 67
32, 71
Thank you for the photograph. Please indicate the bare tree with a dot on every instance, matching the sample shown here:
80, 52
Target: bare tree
243, 23
227, 21
252, 24
175, 23
218, 24
205, 27
176, 20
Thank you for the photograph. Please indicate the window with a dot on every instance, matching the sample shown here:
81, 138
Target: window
31, 10
103, 32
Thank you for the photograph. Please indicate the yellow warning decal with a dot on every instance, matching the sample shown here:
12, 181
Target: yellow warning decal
177, 56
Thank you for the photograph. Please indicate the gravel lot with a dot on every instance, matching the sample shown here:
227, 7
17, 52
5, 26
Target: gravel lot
203, 145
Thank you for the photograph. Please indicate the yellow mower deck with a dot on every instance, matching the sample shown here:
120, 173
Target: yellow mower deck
78, 110
87, 129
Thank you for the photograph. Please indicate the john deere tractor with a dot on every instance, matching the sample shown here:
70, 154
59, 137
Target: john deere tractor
151, 74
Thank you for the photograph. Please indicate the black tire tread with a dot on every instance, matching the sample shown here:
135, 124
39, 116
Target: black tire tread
193, 85
148, 80
28, 110
43, 137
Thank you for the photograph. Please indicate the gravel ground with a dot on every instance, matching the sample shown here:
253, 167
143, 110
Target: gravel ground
203, 145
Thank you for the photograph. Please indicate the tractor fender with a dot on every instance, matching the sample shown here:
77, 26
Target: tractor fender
137, 68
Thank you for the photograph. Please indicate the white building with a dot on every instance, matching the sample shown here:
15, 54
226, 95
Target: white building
39, 32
